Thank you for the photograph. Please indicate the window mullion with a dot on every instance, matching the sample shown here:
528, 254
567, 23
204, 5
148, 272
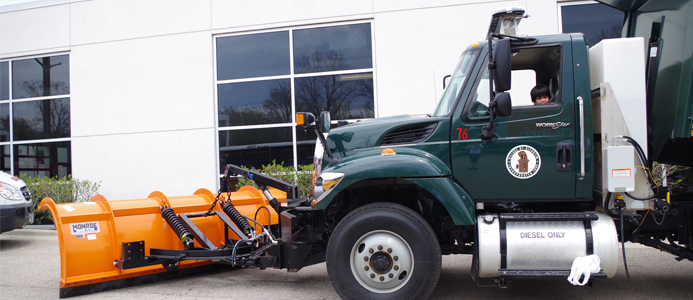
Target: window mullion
10, 121
293, 98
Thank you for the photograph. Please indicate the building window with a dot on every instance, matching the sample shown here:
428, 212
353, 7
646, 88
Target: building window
35, 116
596, 21
264, 78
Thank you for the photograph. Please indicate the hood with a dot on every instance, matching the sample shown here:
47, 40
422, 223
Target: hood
11, 180
396, 130
15, 184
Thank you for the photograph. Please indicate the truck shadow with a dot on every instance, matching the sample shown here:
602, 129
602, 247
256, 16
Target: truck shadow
13, 242
673, 283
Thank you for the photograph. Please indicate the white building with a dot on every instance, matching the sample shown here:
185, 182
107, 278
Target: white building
157, 94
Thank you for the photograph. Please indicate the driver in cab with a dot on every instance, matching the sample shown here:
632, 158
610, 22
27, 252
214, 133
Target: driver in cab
540, 95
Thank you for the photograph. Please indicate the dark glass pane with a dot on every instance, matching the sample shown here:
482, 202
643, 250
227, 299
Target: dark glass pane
38, 77
597, 21
256, 102
254, 55
41, 119
4, 80
6, 162
344, 96
4, 122
254, 148
43, 159
334, 48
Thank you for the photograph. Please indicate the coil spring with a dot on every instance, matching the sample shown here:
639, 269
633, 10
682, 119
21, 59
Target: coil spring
237, 218
177, 226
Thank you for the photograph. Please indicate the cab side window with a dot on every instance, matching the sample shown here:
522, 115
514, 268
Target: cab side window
530, 67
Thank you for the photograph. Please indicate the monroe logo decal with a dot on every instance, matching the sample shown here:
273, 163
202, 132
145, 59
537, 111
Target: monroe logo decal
552, 125
80, 229
523, 162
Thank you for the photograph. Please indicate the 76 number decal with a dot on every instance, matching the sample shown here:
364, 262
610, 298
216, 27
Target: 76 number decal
462, 134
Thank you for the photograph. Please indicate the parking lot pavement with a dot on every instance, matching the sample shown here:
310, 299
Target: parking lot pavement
30, 269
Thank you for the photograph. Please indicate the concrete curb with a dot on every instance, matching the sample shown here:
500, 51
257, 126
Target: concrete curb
48, 226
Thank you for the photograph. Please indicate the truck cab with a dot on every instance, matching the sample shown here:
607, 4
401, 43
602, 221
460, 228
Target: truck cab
541, 152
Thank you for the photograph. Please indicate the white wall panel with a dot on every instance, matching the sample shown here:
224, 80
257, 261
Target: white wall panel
543, 18
143, 85
416, 48
395, 5
34, 30
109, 20
134, 165
240, 13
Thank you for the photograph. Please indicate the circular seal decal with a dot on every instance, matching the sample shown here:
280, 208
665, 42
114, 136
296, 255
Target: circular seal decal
523, 162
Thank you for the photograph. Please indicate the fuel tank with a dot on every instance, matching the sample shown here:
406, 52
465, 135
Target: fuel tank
544, 241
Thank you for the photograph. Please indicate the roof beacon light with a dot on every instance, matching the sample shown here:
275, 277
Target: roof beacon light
506, 20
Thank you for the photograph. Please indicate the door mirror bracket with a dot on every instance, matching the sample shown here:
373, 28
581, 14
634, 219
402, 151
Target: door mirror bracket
500, 103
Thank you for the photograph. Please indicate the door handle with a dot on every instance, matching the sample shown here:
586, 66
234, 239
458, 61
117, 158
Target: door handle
564, 156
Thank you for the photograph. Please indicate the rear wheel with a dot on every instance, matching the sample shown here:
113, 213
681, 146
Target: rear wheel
383, 251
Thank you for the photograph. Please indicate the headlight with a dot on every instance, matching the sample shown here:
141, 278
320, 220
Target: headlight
317, 162
10, 193
326, 182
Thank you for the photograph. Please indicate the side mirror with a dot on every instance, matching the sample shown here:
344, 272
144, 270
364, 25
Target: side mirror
324, 122
504, 106
501, 58
501, 106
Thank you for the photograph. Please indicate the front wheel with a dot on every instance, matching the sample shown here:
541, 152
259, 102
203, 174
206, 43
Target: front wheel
383, 251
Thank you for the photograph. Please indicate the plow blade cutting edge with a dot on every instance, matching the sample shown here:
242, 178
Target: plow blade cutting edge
107, 244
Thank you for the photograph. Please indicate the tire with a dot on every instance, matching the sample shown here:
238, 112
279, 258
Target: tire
358, 269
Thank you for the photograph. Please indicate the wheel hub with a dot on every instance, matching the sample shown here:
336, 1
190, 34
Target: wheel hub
382, 261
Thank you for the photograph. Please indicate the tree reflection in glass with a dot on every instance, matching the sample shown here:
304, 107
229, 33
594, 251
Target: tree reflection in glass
29, 119
256, 102
347, 96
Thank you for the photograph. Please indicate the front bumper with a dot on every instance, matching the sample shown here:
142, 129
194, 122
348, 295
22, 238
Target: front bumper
15, 215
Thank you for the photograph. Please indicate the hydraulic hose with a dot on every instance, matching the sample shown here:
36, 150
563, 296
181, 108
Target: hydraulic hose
623, 245
632, 218
606, 206
643, 159
636, 198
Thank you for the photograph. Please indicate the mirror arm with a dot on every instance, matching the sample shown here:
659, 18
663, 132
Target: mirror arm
488, 132
323, 142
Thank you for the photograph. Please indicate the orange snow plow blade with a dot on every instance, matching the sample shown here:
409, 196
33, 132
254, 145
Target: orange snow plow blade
101, 239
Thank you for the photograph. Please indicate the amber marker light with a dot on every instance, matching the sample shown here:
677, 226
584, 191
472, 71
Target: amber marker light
388, 151
475, 44
299, 119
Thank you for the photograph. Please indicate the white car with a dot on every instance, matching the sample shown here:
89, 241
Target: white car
16, 207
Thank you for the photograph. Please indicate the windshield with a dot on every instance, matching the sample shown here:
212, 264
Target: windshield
463, 68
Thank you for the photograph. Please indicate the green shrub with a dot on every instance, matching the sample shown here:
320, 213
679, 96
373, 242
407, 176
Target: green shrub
61, 190
304, 177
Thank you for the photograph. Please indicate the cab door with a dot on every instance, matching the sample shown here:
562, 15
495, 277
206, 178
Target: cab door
533, 154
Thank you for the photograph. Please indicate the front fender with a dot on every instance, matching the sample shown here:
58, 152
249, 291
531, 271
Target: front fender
407, 162
417, 166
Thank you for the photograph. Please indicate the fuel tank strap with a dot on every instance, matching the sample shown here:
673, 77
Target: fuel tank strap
580, 216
